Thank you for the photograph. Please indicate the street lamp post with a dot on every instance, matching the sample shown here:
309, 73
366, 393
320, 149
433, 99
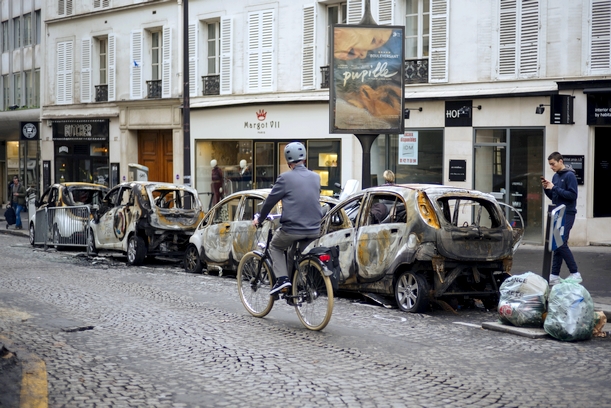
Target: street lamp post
186, 113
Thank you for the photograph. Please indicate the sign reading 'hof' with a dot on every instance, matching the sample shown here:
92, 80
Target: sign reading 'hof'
367, 80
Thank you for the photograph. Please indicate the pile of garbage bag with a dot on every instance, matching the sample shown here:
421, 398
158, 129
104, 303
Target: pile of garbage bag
522, 301
566, 312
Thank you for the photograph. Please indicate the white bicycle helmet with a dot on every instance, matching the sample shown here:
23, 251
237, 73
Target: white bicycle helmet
294, 152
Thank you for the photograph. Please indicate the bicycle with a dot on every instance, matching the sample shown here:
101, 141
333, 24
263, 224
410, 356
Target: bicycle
313, 275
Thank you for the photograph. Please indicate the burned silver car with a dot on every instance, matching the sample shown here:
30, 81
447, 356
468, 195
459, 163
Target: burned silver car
227, 233
143, 218
419, 243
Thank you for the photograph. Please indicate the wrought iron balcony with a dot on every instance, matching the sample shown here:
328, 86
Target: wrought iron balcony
324, 73
153, 89
101, 93
212, 84
417, 71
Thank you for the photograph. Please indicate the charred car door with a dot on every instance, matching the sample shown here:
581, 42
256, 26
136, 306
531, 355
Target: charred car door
112, 226
243, 232
217, 237
381, 233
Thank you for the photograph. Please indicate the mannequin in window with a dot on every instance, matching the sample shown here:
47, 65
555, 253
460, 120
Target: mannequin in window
245, 176
217, 182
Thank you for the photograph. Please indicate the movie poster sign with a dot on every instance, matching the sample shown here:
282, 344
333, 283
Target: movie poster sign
367, 79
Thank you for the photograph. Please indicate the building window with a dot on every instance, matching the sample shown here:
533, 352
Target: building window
29, 88
38, 17
36, 101
103, 61
417, 29
27, 29
6, 101
5, 37
336, 14
64, 7
213, 42
16, 33
261, 46
101, 4
64, 72
156, 55
518, 39
17, 89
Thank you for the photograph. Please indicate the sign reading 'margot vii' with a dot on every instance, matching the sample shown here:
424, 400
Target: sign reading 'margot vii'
85, 130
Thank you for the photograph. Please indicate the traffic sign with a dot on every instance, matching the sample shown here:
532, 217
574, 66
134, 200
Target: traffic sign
557, 230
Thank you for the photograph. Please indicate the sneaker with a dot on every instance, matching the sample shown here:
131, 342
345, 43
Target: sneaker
281, 283
554, 279
576, 277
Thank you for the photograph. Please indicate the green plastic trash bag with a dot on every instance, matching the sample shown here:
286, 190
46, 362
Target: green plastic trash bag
522, 301
570, 312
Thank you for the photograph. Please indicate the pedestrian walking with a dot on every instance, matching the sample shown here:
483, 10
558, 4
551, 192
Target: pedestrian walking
18, 200
562, 190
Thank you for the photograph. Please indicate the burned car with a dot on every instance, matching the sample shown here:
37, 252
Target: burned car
145, 219
63, 212
226, 233
420, 243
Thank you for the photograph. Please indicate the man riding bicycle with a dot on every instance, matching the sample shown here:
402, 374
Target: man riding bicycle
299, 190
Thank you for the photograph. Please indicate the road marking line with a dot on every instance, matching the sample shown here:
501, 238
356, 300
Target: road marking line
479, 326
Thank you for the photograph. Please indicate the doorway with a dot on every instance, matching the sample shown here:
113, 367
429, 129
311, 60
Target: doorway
508, 163
156, 151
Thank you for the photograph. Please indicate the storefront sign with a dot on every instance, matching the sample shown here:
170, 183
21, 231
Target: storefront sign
458, 113
261, 124
599, 109
576, 162
367, 80
561, 110
82, 130
458, 170
30, 131
408, 148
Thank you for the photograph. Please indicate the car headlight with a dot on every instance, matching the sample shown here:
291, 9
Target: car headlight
412, 242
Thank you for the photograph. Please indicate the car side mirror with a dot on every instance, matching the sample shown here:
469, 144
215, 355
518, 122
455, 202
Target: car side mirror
336, 220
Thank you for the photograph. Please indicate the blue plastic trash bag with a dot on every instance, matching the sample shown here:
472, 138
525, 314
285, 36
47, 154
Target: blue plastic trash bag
570, 312
522, 301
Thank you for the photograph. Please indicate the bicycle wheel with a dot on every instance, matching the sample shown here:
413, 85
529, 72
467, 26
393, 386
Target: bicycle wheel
314, 293
254, 284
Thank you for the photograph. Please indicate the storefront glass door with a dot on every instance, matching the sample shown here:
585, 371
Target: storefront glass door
509, 164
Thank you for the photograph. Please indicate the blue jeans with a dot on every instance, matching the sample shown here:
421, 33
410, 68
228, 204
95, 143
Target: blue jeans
563, 252
18, 208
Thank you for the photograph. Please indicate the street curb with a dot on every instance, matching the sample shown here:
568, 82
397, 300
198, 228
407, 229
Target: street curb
34, 386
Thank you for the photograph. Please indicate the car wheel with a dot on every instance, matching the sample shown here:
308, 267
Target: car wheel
32, 234
412, 292
192, 262
136, 250
91, 249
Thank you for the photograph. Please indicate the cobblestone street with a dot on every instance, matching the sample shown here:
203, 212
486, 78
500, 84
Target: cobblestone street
112, 335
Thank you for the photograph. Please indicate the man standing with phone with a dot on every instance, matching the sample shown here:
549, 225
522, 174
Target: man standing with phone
562, 190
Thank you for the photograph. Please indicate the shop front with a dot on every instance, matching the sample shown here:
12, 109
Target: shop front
243, 148
80, 151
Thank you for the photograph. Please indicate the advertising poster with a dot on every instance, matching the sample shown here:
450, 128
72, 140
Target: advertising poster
367, 80
408, 148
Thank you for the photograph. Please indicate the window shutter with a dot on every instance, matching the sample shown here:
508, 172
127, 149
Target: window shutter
86, 70
166, 74
68, 71
438, 67
96, 3
226, 58
135, 71
60, 97
68, 7
193, 59
308, 65
355, 11
507, 37
61, 7
600, 38
529, 38
260, 51
386, 12
112, 70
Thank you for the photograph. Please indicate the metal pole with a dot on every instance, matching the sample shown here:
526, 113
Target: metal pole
186, 113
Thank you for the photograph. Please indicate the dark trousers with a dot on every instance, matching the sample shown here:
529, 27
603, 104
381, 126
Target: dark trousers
564, 252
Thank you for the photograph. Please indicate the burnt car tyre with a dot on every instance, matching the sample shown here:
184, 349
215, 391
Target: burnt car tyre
136, 251
91, 249
192, 262
32, 234
412, 292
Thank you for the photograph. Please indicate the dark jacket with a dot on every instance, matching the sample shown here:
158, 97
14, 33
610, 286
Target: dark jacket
564, 190
20, 199
299, 190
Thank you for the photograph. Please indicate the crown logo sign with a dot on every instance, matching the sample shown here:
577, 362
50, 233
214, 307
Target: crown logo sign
261, 114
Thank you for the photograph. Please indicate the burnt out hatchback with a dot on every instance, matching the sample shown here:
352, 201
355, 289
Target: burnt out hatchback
144, 219
421, 243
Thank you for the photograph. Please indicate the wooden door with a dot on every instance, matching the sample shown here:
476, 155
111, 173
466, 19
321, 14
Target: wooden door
155, 151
